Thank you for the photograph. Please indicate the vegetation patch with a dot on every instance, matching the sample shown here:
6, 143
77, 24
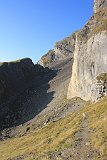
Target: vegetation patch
55, 136
96, 24
60, 135
102, 77
98, 124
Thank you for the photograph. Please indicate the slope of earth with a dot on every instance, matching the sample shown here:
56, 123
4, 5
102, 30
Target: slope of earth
42, 102
15, 77
79, 135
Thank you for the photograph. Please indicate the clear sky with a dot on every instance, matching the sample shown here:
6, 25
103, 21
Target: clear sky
29, 28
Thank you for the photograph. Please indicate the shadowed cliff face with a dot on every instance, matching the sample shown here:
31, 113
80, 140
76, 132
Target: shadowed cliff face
15, 79
16, 75
13, 76
38, 103
28, 103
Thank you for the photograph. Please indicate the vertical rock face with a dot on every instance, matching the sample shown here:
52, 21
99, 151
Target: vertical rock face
90, 57
99, 4
90, 60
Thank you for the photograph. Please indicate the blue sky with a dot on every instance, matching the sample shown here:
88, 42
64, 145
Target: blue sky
29, 28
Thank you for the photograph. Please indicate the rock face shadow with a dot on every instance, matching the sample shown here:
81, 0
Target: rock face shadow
29, 103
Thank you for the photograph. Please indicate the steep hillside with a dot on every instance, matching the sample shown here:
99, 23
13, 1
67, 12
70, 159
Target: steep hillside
80, 134
15, 78
43, 101
90, 57
62, 50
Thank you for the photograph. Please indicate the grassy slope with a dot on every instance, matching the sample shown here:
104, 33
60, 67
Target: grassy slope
59, 135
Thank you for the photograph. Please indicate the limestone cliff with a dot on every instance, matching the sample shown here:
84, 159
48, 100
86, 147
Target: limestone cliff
62, 50
99, 4
90, 56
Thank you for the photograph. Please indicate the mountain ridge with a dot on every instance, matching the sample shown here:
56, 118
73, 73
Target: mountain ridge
48, 119
62, 50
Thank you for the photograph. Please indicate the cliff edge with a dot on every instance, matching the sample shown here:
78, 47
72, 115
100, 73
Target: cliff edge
89, 70
62, 50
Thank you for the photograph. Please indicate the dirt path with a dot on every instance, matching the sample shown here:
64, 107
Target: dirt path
83, 146
82, 149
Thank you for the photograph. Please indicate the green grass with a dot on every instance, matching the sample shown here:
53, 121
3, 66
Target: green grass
59, 135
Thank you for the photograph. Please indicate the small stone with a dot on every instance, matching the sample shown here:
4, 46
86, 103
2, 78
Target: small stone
87, 144
88, 155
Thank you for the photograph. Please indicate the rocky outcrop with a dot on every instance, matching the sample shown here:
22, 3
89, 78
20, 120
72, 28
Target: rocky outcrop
62, 50
99, 4
14, 74
101, 83
90, 57
14, 78
47, 59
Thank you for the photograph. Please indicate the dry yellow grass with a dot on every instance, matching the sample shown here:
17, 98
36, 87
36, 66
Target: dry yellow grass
98, 23
59, 135
54, 136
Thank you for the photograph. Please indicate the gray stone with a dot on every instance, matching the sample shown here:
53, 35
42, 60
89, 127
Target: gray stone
62, 50
99, 4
